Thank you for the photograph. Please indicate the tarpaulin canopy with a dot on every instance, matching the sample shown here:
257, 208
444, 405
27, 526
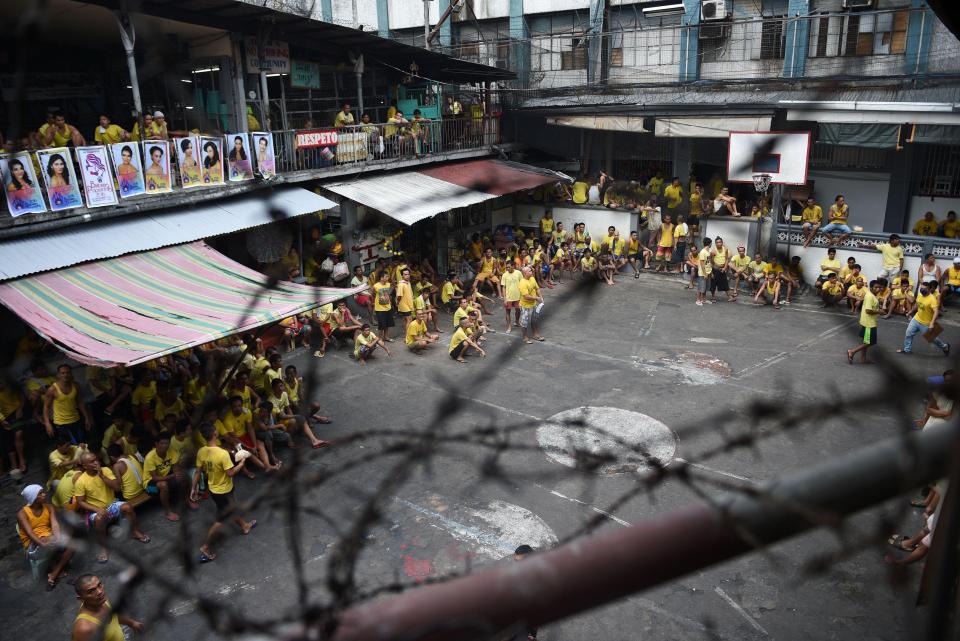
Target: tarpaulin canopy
410, 196
135, 308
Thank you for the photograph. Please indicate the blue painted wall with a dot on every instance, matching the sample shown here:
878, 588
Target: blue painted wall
690, 42
797, 39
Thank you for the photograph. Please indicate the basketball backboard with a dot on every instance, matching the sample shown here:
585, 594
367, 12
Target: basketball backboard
783, 155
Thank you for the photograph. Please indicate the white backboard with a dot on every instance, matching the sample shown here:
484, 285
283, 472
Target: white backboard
783, 155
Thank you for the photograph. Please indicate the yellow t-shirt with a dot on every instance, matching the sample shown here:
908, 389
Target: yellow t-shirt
109, 136
740, 262
704, 263
237, 425
381, 297
459, 314
62, 498
93, 490
447, 292
132, 481
511, 285
926, 306
953, 276
891, 255
415, 330
720, 257
178, 408
162, 466
757, 268
529, 287
674, 196
770, 267
10, 401
951, 228
404, 297
839, 215
655, 185
899, 279
144, 395
362, 341
900, 294
925, 227
580, 192
812, 214
833, 288
828, 266
55, 459
184, 449
458, 337
856, 292
589, 263
869, 302
546, 226
215, 461
666, 235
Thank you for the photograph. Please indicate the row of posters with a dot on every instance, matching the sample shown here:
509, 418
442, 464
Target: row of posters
202, 162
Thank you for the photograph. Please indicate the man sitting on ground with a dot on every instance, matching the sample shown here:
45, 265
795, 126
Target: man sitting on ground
94, 492
418, 338
461, 343
365, 343
901, 299
856, 294
831, 292
769, 291
163, 475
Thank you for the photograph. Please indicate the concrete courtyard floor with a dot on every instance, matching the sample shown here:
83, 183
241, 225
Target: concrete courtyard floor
651, 367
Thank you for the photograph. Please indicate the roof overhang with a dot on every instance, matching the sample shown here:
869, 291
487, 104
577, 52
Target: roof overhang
304, 32
893, 113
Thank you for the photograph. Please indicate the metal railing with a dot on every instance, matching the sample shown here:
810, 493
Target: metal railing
383, 143
917, 246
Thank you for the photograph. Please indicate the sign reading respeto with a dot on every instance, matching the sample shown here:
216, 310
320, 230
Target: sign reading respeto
309, 138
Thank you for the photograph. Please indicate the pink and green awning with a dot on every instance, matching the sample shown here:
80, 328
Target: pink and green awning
135, 308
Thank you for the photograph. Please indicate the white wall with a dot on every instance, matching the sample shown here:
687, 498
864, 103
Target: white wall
549, 6
409, 13
501, 216
485, 9
597, 219
919, 205
366, 13
869, 260
865, 192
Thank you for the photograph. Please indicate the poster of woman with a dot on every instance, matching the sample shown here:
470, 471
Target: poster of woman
156, 154
211, 167
127, 167
95, 172
187, 150
63, 190
20, 185
263, 146
238, 159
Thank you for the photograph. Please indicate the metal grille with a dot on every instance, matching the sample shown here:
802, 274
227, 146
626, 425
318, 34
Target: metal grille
833, 156
941, 171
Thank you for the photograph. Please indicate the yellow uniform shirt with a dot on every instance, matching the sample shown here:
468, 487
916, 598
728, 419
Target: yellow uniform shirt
93, 490
857, 293
381, 297
899, 279
529, 287
953, 276
132, 481
178, 408
741, 262
720, 257
833, 289
162, 466
56, 459
144, 395
655, 185
415, 330
237, 425
769, 267
892, 256
666, 235
459, 314
869, 302
926, 306
109, 136
589, 263
580, 192
674, 196
62, 498
951, 228
511, 285
215, 461
812, 214
900, 294
404, 297
184, 449
458, 337
10, 401
704, 263
838, 215
757, 268
925, 227
447, 292
363, 341
828, 267
546, 226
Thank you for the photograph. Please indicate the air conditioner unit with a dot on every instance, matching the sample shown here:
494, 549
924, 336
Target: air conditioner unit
858, 4
714, 10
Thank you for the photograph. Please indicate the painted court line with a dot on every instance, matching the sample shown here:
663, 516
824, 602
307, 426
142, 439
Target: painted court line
776, 358
736, 606
592, 507
713, 471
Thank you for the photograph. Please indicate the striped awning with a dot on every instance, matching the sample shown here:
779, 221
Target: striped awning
135, 308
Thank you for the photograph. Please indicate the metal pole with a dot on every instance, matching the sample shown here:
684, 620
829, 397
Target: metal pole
923, 22
129, 37
265, 100
586, 574
360, 93
793, 48
426, 24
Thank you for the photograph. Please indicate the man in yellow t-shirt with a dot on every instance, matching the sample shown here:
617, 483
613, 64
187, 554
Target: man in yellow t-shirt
451, 293
655, 184
344, 117
892, 252
926, 310
951, 280
511, 294
404, 294
215, 463
869, 310
673, 193
856, 293
757, 269
162, 474
951, 227
901, 299
704, 269
531, 302
740, 266
810, 220
546, 226
837, 221
364, 344
108, 133
487, 272
664, 243
64, 457
417, 336
829, 265
460, 342
832, 291
382, 305
94, 491
926, 226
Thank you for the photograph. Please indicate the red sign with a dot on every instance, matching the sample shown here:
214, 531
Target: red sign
308, 138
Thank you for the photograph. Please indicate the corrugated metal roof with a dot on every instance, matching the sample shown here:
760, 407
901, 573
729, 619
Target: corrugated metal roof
108, 239
411, 196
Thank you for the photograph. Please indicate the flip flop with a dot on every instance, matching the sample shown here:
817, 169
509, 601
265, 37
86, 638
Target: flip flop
321, 444
323, 420
253, 524
51, 584
918, 503
528, 341
206, 558
102, 558
173, 518
896, 541
540, 339
146, 539
849, 357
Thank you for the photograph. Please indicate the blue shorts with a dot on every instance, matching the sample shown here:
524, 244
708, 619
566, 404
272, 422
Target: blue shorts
840, 227
112, 510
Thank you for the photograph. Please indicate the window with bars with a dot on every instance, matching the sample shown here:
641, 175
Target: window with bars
859, 34
576, 57
772, 38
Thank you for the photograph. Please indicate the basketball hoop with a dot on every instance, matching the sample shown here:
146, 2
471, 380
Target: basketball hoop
761, 182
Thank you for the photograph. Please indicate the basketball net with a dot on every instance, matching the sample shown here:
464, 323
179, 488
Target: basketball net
761, 182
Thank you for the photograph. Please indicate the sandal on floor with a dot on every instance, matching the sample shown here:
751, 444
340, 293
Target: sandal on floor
897, 540
206, 558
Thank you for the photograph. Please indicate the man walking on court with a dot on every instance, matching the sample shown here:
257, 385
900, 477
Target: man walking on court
869, 310
926, 309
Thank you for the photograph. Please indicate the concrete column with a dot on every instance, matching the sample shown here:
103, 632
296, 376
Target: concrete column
690, 42
238, 72
446, 29
595, 42
520, 34
349, 224
682, 160
326, 10
919, 36
383, 19
898, 193
797, 39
